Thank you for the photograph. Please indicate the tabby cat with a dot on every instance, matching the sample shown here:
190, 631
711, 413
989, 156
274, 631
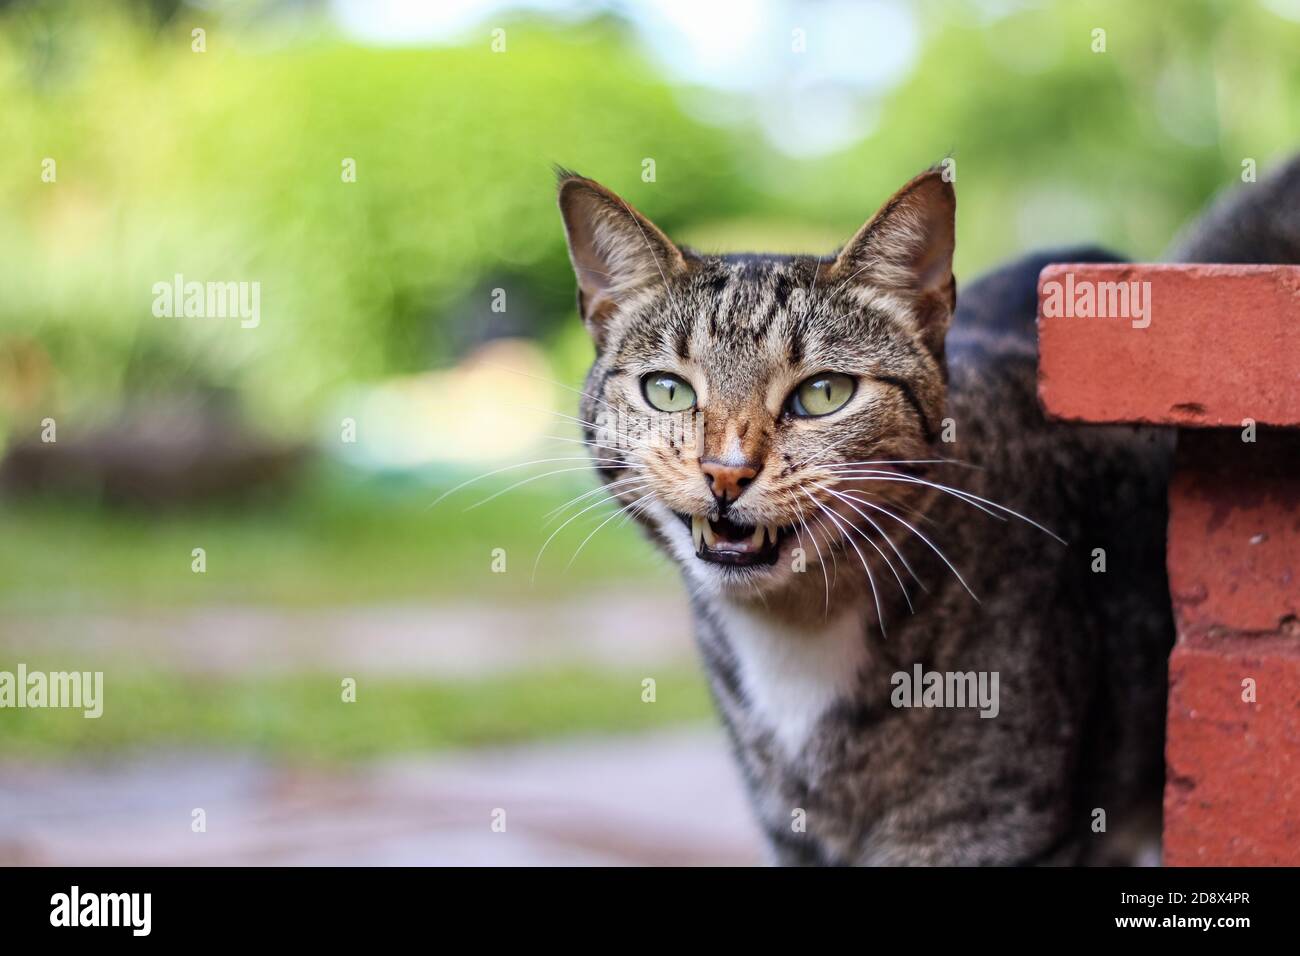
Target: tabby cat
872, 515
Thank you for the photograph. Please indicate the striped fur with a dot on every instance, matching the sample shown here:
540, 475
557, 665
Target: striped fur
800, 660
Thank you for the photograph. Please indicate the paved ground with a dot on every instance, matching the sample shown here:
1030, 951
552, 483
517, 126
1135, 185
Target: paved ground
669, 798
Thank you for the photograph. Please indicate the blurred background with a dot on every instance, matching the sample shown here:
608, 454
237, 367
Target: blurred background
231, 519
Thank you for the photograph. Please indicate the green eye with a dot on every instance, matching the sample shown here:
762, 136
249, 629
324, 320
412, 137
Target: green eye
667, 392
821, 395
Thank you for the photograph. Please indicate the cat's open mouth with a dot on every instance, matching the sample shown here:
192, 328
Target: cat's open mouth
723, 541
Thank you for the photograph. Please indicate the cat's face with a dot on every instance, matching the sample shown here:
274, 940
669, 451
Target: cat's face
749, 409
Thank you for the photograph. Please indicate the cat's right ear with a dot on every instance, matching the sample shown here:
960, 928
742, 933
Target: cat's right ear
906, 251
616, 251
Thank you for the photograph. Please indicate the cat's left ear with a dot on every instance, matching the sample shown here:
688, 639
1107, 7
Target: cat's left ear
906, 251
616, 251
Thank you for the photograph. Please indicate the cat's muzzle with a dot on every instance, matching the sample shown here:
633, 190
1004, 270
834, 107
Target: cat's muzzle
723, 541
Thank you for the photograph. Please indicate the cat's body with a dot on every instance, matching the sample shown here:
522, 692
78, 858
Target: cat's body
858, 455
1080, 654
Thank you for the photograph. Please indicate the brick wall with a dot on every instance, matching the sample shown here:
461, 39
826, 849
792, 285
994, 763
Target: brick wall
1215, 352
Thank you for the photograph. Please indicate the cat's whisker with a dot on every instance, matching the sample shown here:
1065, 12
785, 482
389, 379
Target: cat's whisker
596, 446
586, 442
871, 578
641, 445
522, 464
592, 443
575, 517
572, 418
668, 289
902, 461
616, 487
821, 562
972, 499
602, 524
836, 291
914, 512
827, 536
550, 381
828, 299
880, 531
866, 565
526, 481
607, 486
636, 511
910, 479
825, 451
933, 547
834, 468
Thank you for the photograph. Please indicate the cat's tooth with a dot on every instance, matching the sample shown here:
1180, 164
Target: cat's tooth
756, 539
709, 537
697, 532
772, 533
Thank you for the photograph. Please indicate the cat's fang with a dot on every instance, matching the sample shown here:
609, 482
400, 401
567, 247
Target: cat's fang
710, 538
697, 532
756, 539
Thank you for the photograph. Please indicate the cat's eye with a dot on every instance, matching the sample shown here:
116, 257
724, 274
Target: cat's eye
667, 392
821, 394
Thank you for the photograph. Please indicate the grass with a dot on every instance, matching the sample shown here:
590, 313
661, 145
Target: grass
335, 541
304, 717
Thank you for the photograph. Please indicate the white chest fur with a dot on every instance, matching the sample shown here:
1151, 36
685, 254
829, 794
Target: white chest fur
793, 675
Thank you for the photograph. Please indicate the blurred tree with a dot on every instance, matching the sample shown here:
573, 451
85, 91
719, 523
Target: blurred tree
369, 192
375, 193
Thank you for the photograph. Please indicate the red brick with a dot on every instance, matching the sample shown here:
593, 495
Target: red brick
1223, 345
1234, 532
1233, 791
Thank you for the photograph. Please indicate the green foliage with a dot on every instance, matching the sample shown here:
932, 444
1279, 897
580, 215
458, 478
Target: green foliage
227, 165
303, 717
1056, 144
334, 543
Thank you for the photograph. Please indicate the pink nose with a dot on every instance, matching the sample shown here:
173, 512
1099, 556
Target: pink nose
727, 481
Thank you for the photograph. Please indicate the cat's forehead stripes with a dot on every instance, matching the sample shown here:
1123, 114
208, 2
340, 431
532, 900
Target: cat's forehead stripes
745, 330
725, 302
754, 296
749, 324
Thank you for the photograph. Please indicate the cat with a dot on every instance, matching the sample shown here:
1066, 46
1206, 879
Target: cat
877, 525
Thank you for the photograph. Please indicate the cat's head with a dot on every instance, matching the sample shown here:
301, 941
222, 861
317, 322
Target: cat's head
739, 405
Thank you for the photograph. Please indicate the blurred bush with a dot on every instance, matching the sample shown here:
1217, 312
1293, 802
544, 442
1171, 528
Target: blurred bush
227, 165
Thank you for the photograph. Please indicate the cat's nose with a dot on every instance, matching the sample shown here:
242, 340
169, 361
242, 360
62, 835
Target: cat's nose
727, 481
